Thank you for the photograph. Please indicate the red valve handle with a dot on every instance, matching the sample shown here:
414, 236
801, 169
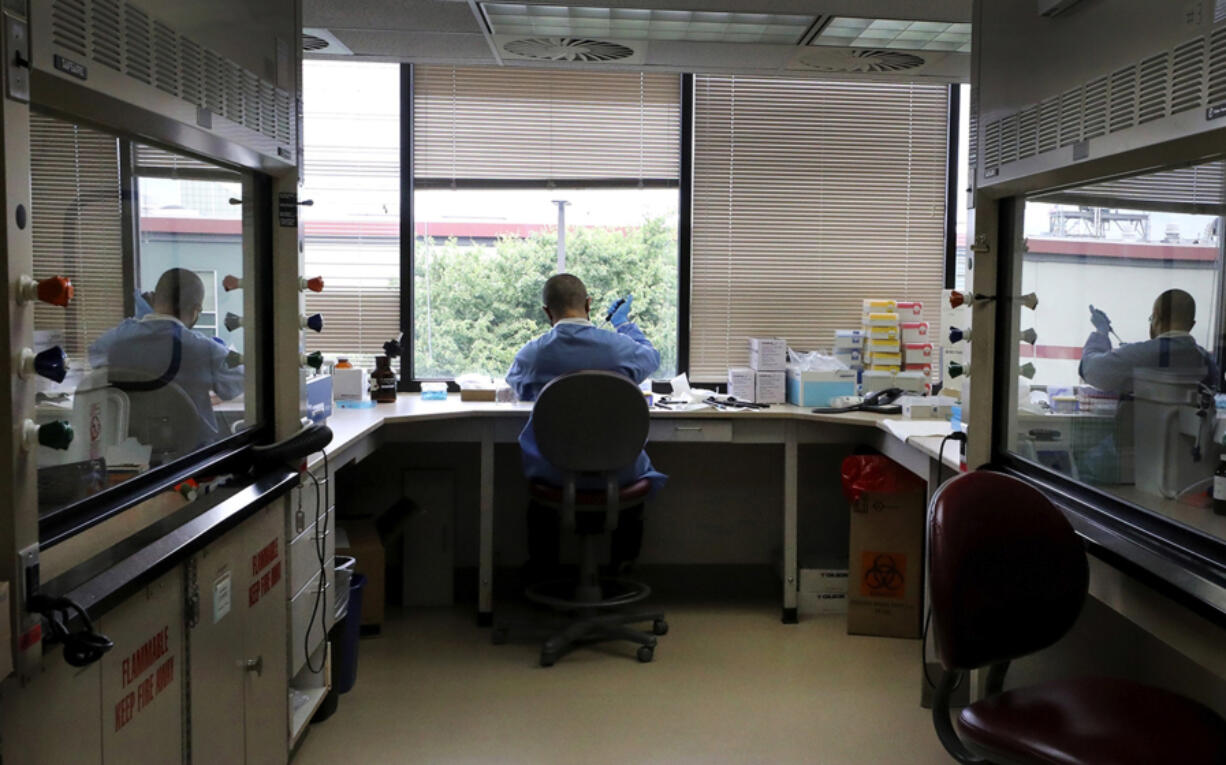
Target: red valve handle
55, 290
231, 282
315, 284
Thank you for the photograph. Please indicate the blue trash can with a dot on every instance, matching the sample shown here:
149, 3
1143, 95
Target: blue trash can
345, 671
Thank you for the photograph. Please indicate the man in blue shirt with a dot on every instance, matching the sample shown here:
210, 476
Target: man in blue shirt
573, 344
160, 348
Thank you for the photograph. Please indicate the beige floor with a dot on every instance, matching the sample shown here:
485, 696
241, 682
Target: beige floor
729, 684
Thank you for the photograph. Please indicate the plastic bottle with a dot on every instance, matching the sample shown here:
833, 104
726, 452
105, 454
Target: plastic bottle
1219, 487
383, 381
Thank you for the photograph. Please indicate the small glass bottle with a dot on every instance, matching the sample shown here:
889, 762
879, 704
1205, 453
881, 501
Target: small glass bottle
343, 363
383, 381
1219, 487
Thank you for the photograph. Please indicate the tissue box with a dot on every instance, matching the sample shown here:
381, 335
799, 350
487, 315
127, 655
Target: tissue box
890, 358
768, 354
881, 333
848, 339
879, 306
913, 382
350, 384
769, 388
917, 353
910, 310
742, 382
924, 369
882, 319
817, 388
915, 332
926, 407
872, 381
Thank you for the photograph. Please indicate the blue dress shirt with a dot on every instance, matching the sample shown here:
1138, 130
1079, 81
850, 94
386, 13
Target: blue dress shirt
1111, 369
573, 345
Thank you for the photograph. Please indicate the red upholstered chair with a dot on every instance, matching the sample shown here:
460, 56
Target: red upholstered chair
592, 424
1008, 578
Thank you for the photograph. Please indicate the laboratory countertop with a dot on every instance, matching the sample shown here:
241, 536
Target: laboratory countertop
350, 425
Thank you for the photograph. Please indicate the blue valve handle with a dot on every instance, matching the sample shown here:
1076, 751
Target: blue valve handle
315, 322
956, 335
52, 364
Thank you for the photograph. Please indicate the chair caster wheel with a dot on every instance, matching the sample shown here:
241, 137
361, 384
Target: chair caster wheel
659, 627
646, 653
548, 659
498, 635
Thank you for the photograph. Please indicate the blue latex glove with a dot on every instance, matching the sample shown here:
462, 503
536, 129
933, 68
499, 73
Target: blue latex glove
1100, 320
619, 311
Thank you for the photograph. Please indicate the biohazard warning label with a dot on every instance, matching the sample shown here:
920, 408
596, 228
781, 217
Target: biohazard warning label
265, 572
884, 575
149, 671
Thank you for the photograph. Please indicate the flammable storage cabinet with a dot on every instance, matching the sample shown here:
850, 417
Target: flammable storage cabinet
236, 642
310, 598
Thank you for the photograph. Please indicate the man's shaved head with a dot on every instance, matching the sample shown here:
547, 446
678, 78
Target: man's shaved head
565, 295
1174, 310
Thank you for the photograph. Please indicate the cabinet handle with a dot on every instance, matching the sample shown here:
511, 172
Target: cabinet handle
689, 427
255, 665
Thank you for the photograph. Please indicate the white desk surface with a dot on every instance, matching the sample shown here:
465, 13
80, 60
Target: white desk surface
349, 425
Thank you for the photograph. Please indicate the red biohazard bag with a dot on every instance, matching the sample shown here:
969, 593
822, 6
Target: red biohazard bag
874, 473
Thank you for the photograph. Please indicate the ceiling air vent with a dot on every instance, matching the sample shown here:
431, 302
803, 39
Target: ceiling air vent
323, 42
856, 60
581, 49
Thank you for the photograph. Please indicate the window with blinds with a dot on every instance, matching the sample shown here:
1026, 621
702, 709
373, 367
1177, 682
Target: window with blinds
551, 126
75, 219
809, 196
351, 145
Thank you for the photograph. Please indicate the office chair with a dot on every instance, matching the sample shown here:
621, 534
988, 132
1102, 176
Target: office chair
162, 417
1008, 578
587, 424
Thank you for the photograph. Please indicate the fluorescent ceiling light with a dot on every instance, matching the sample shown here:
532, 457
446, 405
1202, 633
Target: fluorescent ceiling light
645, 24
849, 32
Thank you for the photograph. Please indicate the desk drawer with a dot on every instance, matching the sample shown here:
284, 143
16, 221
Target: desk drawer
303, 559
690, 430
303, 497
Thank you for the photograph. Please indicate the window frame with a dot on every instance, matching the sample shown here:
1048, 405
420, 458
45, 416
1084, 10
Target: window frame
410, 383
1184, 564
226, 454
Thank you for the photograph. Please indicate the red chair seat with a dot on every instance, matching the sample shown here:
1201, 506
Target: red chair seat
1095, 720
630, 494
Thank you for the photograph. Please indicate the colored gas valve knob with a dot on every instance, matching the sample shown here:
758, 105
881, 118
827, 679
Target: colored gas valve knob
231, 283
1027, 370
956, 369
233, 321
56, 434
957, 299
314, 359
313, 322
1029, 336
54, 290
189, 489
51, 364
1030, 300
957, 335
314, 284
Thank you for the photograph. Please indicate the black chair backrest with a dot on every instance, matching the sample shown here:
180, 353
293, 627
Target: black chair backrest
590, 422
1008, 574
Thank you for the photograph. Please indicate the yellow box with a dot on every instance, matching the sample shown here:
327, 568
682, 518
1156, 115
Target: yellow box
881, 319
872, 305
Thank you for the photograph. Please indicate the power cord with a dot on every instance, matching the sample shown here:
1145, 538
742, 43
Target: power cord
81, 648
960, 437
321, 549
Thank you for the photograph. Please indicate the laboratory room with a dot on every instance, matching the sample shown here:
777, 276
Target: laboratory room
613, 381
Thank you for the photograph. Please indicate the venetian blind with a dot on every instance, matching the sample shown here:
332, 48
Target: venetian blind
543, 125
809, 196
351, 154
75, 219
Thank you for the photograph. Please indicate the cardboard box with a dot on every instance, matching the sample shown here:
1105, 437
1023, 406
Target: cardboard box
924, 369
885, 346
770, 388
876, 319
477, 394
818, 388
913, 382
917, 353
873, 380
884, 577
824, 580
926, 407
852, 358
768, 354
360, 540
915, 332
848, 339
883, 356
6, 633
878, 306
821, 603
742, 383
351, 384
910, 310
878, 333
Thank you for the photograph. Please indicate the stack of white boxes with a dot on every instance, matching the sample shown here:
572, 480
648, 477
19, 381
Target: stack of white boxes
849, 348
918, 351
765, 380
822, 591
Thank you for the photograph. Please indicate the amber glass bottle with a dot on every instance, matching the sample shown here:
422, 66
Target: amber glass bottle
383, 381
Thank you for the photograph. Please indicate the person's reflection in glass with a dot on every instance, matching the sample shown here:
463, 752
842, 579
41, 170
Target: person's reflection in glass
159, 350
1170, 347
